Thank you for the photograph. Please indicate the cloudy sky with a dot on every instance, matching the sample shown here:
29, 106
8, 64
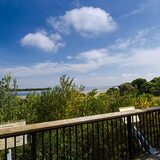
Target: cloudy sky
98, 42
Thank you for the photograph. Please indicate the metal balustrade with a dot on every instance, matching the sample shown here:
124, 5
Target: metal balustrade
99, 137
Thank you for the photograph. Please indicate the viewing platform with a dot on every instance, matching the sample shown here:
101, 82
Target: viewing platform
120, 135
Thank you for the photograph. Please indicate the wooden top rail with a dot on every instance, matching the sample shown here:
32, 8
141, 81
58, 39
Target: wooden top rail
70, 122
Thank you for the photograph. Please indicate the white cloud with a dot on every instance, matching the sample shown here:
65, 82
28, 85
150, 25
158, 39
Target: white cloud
130, 75
121, 43
94, 59
141, 8
69, 57
138, 39
90, 61
99, 57
151, 74
48, 43
87, 21
124, 67
144, 57
93, 55
87, 61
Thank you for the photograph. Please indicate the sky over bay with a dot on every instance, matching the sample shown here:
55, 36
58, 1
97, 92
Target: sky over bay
98, 42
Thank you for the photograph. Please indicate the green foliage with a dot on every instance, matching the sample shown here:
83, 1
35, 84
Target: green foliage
113, 91
146, 87
8, 100
138, 83
145, 101
127, 88
152, 87
155, 87
67, 100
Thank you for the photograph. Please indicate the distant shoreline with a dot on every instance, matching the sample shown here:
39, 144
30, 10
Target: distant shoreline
99, 89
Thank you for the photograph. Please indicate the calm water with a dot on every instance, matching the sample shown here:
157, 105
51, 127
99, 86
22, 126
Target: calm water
87, 89
24, 93
99, 88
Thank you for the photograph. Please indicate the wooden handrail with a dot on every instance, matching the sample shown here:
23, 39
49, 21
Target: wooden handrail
37, 127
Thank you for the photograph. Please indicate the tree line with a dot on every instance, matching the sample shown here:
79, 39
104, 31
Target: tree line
67, 100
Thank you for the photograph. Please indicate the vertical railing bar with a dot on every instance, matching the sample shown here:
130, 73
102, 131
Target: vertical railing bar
24, 147
156, 116
93, 149
147, 130
33, 147
121, 138
153, 122
140, 128
103, 138
112, 135
42, 136
137, 133
15, 149
82, 141
88, 141
129, 136
133, 144
64, 156
141, 131
6, 150
107, 135
70, 143
76, 143
159, 126
150, 127
117, 137
50, 144
57, 148
98, 143
144, 131
126, 144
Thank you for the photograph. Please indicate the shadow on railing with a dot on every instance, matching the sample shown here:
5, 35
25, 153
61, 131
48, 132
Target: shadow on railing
99, 137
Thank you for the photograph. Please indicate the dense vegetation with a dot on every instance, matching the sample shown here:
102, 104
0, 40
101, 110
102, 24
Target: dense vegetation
67, 100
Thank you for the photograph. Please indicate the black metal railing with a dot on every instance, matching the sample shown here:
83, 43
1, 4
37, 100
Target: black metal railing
101, 137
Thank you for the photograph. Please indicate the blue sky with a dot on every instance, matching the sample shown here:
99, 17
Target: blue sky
98, 42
